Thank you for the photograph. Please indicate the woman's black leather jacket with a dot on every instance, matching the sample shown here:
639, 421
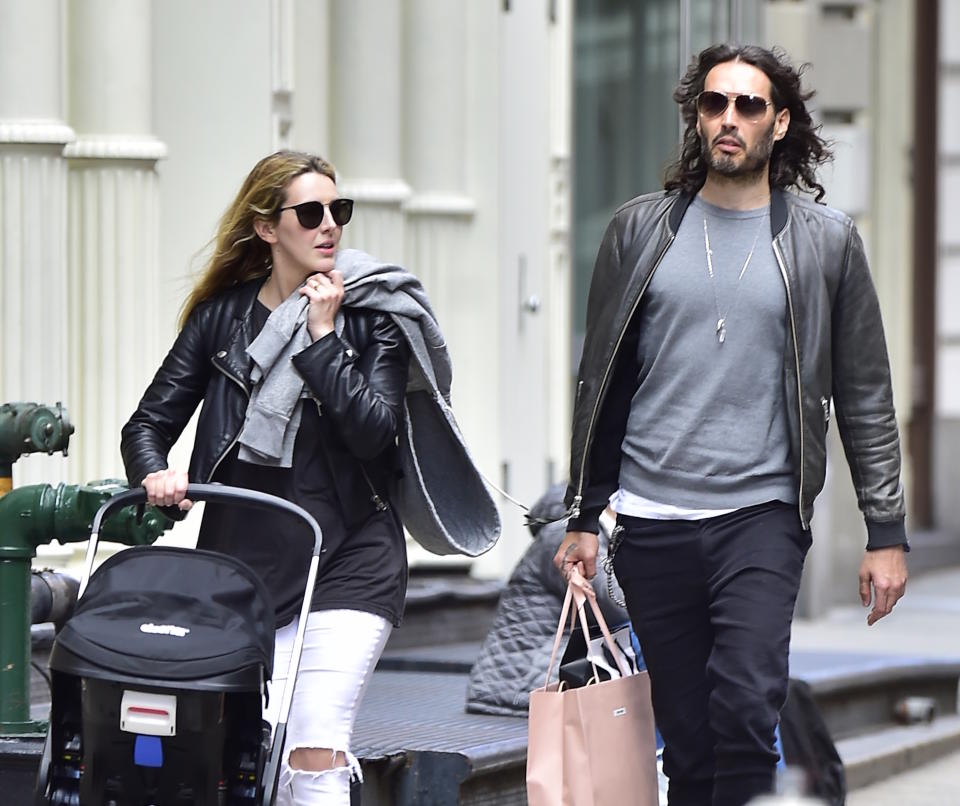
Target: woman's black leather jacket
835, 350
357, 380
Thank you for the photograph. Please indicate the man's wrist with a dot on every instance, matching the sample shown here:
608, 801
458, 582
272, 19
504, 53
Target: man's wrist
885, 534
588, 521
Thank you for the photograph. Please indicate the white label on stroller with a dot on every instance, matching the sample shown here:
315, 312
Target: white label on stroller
148, 714
165, 629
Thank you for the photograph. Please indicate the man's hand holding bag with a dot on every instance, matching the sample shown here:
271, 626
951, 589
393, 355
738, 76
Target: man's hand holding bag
594, 745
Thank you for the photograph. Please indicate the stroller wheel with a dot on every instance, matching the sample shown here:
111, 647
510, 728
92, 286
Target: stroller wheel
63, 796
57, 784
42, 796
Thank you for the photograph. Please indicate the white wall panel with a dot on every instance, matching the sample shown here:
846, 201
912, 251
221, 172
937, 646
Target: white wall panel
949, 31
847, 179
212, 106
31, 60
947, 410
842, 47
366, 66
948, 113
948, 299
948, 204
312, 77
948, 380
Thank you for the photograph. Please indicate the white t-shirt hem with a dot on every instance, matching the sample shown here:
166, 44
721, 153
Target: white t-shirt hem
632, 505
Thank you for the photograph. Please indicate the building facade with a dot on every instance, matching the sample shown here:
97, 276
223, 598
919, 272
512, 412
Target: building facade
486, 144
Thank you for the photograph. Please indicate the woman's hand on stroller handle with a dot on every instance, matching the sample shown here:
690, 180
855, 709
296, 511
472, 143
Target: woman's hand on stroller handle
167, 488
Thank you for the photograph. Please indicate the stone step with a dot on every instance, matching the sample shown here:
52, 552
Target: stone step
859, 692
881, 754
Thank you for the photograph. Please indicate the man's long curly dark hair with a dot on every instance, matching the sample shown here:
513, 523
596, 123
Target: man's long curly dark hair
795, 157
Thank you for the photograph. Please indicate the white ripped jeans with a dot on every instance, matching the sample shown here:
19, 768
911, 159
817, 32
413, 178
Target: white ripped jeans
340, 650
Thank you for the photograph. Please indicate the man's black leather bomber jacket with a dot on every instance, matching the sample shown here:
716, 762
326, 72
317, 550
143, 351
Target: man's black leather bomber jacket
358, 380
835, 349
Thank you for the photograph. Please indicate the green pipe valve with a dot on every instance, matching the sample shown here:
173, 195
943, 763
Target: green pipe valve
32, 428
39, 513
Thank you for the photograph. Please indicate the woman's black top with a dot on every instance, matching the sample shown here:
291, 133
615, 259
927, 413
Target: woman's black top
365, 569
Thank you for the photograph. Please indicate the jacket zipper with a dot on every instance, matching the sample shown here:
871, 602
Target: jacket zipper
796, 361
233, 442
578, 498
379, 504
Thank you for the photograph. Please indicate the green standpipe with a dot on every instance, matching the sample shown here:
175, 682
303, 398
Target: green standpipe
14, 654
31, 516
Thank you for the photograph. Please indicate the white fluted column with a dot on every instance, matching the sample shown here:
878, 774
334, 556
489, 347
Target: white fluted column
367, 124
33, 275
113, 254
435, 41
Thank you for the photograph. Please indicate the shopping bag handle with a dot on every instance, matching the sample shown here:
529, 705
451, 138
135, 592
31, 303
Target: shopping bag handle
579, 591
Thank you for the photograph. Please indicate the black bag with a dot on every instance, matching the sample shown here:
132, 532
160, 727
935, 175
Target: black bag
576, 668
807, 744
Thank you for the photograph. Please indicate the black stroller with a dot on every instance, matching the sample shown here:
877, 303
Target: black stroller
157, 678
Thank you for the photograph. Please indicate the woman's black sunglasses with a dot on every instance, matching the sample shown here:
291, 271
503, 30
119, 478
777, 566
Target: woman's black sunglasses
750, 107
310, 214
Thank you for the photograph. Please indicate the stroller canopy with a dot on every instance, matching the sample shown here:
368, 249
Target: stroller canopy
172, 613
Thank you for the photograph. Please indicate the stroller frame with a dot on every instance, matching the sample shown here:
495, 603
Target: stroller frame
220, 494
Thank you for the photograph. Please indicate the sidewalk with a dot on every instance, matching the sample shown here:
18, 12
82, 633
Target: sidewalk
933, 784
925, 624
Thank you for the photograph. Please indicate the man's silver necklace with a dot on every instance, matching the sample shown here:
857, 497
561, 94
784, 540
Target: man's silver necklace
722, 317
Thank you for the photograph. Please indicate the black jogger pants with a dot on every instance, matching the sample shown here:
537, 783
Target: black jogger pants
711, 602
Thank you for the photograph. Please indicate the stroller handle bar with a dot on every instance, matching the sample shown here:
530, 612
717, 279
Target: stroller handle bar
195, 492
212, 492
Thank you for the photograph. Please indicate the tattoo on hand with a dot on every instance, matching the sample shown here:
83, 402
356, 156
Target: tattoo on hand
568, 550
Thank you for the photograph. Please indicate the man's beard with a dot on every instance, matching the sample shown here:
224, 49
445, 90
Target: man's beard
753, 163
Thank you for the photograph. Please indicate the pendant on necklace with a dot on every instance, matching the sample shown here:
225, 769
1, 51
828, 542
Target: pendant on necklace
721, 329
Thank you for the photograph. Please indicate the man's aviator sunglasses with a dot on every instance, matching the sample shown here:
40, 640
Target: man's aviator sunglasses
712, 104
310, 214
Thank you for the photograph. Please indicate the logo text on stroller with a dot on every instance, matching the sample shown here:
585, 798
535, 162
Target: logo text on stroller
164, 629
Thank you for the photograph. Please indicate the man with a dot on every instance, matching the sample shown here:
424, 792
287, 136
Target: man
724, 314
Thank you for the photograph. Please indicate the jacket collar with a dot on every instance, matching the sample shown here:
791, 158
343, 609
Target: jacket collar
778, 210
680, 209
232, 357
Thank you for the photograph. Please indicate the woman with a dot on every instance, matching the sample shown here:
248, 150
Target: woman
266, 324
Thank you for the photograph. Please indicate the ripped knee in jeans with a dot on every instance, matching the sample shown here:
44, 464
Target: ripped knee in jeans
322, 760
317, 759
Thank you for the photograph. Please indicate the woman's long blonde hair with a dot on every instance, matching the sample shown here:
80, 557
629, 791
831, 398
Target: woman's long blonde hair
239, 254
